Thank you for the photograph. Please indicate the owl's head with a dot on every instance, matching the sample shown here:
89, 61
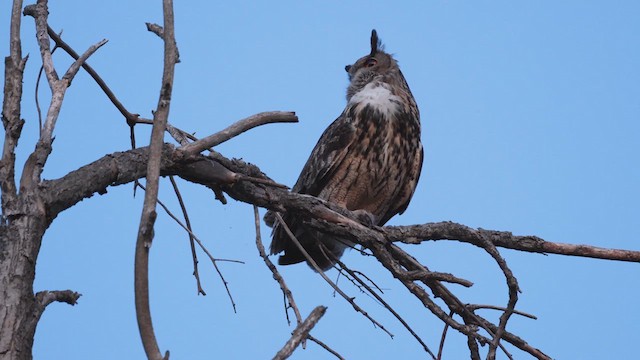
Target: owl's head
375, 65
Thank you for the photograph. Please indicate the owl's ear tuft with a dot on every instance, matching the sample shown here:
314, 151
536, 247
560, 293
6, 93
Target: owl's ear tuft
376, 43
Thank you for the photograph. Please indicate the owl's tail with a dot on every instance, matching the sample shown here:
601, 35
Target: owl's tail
323, 249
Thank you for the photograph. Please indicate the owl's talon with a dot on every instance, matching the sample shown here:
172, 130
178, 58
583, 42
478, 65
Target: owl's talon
365, 218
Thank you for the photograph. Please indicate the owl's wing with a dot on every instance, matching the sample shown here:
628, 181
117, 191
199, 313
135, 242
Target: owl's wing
406, 188
326, 156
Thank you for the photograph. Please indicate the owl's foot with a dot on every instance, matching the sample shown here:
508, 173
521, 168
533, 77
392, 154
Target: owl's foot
365, 218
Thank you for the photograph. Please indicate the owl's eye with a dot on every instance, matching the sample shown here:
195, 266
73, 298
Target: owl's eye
371, 62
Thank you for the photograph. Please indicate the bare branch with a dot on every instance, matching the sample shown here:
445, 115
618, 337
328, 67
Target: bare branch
386, 306
276, 274
73, 69
36, 161
145, 231
447, 230
132, 119
328, 218
158, 30
187, 222
443, 337
237, 129
350, 300
512, 285
11, 121
193, 236
40, 13
325, 346
301, 333
432, 275
493, 307
45, 298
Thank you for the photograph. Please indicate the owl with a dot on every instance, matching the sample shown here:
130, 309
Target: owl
368, 160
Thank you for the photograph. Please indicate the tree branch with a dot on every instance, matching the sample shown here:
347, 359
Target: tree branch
36, 161
44, 298
415, 234
300, 333
288, 295
148, 217
131, 118
326, 347
232, 176
11, 121
238, 128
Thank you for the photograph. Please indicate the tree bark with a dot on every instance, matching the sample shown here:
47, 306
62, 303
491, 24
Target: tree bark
20, 310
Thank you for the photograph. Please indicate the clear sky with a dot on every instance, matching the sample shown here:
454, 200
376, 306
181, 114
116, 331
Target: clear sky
531, 124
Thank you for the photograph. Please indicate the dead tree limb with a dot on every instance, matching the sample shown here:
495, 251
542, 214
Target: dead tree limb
35, 164
145, 231
300, 333
11, 121
416, 234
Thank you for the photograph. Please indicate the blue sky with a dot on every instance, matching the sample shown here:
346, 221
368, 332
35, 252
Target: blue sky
531, 121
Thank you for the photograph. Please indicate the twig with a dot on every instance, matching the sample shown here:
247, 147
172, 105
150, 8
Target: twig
424, 275
322, 274
443, 337
238, 128
132, 119
300, 333
187, 222
36, 90
286, 292
386, 306
512, 285
145, 232
214, 261
325, 346
499, 308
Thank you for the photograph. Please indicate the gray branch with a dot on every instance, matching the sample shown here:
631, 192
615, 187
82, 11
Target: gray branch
300, 333
154, 164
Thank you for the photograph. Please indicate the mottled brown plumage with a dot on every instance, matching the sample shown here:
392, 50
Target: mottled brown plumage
368, 160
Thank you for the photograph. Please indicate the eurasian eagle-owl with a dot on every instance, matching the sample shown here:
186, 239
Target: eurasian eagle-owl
368, 160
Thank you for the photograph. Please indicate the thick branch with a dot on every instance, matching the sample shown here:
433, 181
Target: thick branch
13, 74
124, 167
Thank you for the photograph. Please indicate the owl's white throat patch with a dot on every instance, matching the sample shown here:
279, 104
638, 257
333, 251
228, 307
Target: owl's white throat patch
378, 96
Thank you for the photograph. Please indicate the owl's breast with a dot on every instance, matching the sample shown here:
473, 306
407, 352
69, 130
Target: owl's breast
379, 160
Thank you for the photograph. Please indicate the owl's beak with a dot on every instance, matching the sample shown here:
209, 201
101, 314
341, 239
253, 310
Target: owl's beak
347, 68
